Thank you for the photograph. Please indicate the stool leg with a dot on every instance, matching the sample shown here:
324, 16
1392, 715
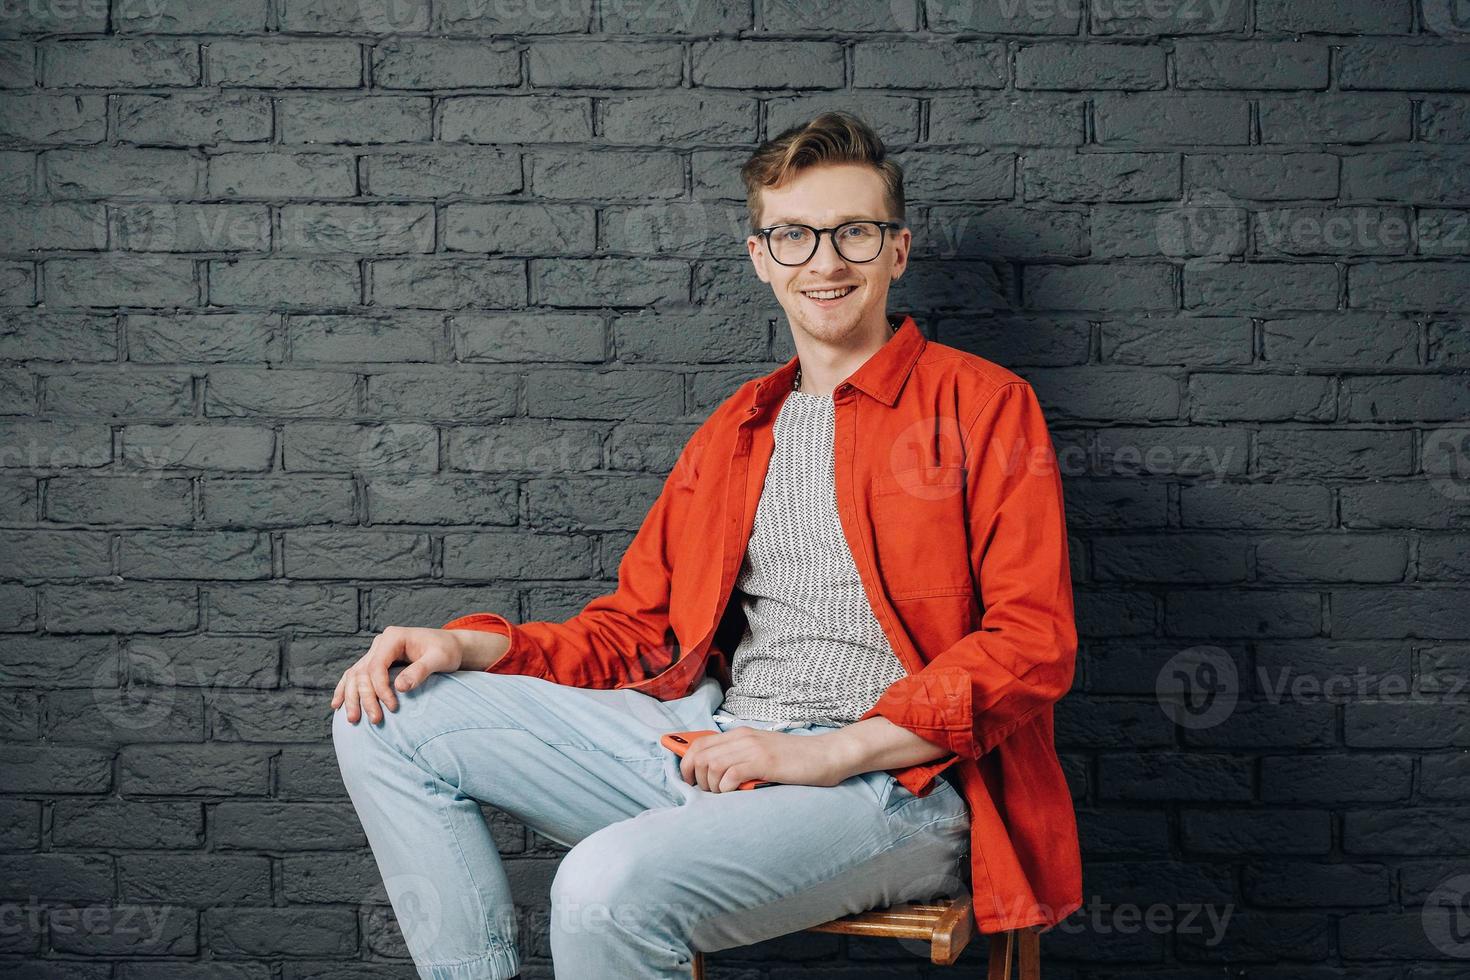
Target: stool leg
1002, 952
698, 965
1030, 957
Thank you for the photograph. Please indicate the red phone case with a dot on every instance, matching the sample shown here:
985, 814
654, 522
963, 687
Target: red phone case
679, 742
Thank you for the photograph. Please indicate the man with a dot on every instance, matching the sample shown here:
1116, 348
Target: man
856, 575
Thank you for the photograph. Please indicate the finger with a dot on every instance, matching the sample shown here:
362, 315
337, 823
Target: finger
349, 698
382, 686
409, 677
386, 650
731, 779
337, 694
370, 706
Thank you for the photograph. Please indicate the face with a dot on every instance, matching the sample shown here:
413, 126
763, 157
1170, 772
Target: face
823, 196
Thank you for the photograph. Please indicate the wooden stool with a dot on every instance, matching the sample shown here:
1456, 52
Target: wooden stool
947, 925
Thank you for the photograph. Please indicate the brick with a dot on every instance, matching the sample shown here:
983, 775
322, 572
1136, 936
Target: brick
1141, 119
620, 174
1022, 120
189, 17
193, 120
608, 65
55, 227
1335, 119
1407, 286
1334, 16
445, 284
511, 228
294, 282
412, 63
1065, 176
348, 338
44, 118
361, 119
353, 17
1263, 177
271, 175
1265, 286
1083, 67
699, 117
121, 172
191, 228
766, 64
374, 229
142, 62
535, 119
1221, 17
285, 64
477, 18
1379, 64
132, 281
1253, 65
1099, 287
1340, 339
458, 172
1406, 177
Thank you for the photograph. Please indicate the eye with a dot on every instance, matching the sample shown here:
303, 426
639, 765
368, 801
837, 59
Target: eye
792, 234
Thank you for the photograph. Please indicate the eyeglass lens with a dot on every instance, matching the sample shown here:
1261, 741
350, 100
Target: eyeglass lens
856, 241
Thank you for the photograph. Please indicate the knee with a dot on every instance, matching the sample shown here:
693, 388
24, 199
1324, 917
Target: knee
608, 883
354, 743
358, 744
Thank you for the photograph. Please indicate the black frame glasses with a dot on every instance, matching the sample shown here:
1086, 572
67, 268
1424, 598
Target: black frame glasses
883, 227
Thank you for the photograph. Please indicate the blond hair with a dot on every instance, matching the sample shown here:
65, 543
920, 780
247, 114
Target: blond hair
831, 137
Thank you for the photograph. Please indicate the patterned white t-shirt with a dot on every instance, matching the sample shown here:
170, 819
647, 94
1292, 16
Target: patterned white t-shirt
813, 651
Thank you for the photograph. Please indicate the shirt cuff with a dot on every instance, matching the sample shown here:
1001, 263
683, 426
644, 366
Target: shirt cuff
519, 658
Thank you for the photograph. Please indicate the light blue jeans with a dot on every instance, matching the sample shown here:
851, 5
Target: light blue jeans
656, 867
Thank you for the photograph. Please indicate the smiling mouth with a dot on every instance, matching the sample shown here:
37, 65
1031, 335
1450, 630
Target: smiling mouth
828, 295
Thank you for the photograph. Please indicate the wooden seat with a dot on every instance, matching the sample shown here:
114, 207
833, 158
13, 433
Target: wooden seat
947, 925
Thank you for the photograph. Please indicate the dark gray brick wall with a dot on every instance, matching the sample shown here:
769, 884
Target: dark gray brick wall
325, 315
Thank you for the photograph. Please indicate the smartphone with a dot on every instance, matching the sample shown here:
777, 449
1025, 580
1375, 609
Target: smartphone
679, 742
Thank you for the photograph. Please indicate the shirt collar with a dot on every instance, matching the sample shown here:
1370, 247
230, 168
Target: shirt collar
882, 375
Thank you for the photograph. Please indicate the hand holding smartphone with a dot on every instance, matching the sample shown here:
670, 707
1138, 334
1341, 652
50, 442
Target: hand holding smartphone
679, 742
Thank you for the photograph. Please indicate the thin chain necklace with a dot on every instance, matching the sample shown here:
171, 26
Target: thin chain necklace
796, 385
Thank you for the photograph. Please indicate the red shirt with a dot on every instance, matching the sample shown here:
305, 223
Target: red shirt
949, 496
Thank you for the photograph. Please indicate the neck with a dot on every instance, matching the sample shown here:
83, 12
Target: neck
820, 367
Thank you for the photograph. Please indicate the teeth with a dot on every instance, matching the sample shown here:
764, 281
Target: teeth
828, 293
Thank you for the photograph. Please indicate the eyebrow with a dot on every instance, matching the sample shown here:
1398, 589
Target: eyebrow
840, 220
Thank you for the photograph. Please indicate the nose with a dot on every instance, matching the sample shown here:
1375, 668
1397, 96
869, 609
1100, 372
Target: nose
827, 256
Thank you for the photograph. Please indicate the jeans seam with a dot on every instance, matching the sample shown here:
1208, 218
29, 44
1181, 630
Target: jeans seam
435, 788
500, 728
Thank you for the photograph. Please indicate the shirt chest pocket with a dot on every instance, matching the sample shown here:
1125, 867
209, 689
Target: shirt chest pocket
919, 522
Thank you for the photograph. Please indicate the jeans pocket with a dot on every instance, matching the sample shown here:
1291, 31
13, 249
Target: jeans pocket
880, 783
